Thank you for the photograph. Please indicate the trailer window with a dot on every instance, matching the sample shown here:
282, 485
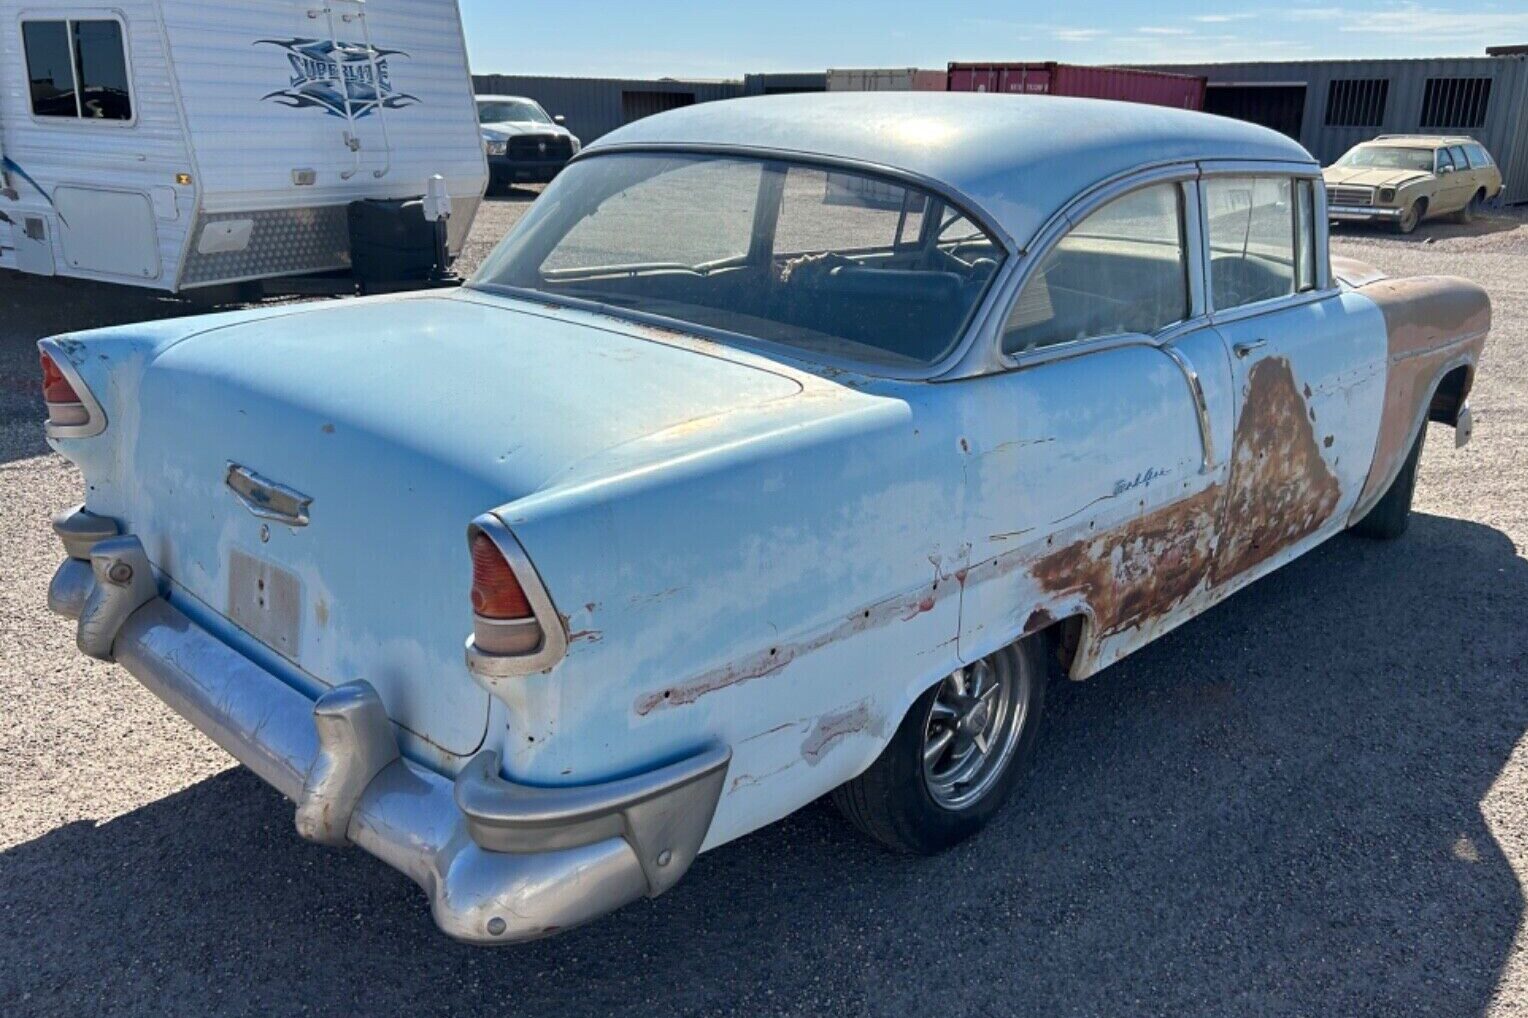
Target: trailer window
78, 69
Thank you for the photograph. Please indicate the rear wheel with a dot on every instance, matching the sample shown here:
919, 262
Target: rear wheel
1473, 209
1391, 516
956, 757
1412, 217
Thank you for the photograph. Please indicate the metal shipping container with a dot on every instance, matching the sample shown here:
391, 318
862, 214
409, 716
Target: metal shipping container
1050, 78
886, 79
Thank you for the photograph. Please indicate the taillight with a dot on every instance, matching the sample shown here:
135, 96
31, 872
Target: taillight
65, 408
503, 620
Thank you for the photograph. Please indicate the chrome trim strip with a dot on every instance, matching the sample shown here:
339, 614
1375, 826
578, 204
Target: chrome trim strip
95, 423
1201, 405
494, 672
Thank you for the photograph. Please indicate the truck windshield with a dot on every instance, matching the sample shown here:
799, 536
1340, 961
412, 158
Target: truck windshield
511, 111
1386, 157
823, 260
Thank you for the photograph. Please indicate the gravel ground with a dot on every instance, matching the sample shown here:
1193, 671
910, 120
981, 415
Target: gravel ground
1311, 801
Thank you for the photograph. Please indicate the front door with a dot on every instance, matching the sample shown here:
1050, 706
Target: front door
1308, 365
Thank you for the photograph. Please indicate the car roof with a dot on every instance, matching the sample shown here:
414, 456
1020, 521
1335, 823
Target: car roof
1419, 140
1019, 159
504, 99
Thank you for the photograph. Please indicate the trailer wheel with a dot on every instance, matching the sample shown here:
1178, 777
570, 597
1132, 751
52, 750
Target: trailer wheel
956, 757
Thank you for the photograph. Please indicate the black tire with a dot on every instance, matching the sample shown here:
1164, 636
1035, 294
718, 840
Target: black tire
1391, 515
891, 803
1467, 214
1412, 217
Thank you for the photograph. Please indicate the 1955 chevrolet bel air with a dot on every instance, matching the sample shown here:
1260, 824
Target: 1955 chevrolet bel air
785, 447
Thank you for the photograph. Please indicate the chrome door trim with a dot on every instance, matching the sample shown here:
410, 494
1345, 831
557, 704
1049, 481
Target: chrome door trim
1201, 405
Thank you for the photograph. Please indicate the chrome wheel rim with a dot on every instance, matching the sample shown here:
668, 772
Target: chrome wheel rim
972, 729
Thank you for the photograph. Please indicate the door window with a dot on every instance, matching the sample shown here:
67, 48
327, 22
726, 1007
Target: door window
1461, 161
1445, 161
1123, 269
1251, 224
78, 69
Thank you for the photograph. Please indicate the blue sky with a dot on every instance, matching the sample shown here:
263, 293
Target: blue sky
717, 38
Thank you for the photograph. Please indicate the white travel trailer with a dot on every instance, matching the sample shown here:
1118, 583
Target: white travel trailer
183, 144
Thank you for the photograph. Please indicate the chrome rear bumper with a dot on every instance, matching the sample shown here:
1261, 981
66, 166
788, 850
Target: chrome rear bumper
500, 862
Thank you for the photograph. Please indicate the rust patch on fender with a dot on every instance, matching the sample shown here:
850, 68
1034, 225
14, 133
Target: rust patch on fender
1430, 321
1040, 619
767, 662
1280, 490
831, 728
1137, 572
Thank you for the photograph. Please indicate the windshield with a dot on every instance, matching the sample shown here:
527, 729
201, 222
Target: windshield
826, 261
504, 111
1389, 158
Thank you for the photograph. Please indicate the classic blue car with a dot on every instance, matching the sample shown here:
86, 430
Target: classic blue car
786, 447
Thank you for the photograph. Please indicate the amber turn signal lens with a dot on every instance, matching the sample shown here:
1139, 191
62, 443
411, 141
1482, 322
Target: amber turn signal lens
496, 593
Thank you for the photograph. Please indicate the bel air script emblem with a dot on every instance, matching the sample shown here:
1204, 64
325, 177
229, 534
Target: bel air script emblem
335, 76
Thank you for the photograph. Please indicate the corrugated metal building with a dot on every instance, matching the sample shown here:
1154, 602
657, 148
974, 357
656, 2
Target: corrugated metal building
1331, 105
597, 106
785, 83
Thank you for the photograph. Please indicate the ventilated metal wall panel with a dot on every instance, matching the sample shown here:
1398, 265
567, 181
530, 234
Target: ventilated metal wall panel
1504, 130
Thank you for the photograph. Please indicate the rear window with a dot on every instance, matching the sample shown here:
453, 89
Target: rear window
826, 261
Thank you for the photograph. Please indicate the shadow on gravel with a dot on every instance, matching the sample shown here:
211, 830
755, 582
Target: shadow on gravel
1275, 810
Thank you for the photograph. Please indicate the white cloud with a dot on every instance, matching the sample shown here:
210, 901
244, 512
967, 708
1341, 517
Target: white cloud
1221, 19
1079, 34
1160, 30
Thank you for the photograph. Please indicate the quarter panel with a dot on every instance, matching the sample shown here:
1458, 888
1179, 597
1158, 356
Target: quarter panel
788, 593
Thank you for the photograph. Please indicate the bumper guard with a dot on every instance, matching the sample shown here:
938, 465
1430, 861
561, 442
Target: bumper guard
500, 862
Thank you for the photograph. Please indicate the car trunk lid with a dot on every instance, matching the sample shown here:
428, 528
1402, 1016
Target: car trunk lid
391, 425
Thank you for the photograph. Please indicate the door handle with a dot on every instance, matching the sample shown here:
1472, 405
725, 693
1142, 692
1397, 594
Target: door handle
1244, 349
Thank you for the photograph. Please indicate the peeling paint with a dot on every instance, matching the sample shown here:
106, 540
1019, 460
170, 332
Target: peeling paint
1139, 571
831, 729
1280, 489
767, 662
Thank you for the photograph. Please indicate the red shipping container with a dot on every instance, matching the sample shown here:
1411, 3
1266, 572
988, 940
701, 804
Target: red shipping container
1050, 78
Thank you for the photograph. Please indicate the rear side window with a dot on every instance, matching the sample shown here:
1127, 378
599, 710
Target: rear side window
1461, 162
1478, 155
78, 69
1123, 269
1305, 235
1252, 239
